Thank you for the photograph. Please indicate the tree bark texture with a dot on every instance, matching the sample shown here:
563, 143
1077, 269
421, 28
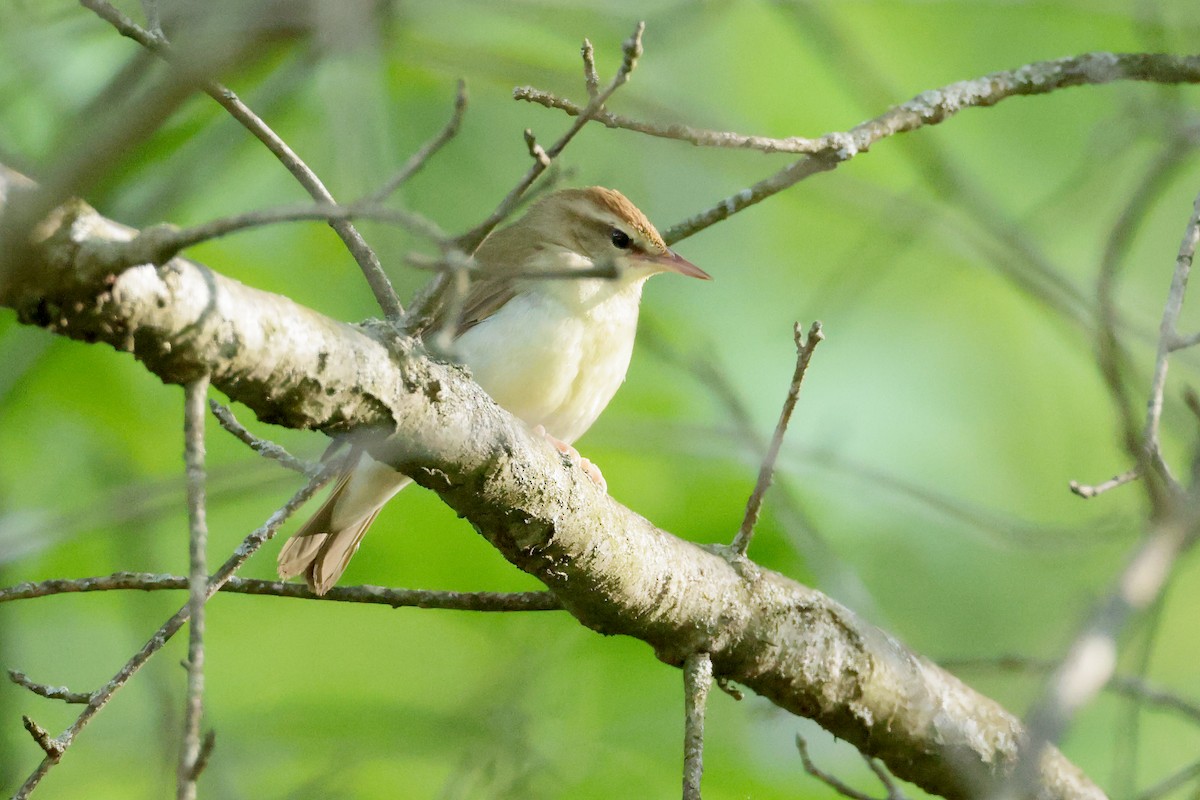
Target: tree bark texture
615, 571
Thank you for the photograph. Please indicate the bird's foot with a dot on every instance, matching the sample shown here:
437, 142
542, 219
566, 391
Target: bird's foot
571, 453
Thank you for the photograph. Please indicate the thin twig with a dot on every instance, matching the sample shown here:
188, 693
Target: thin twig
834, 574
697, 680
50, 746
264, 447
1111, 355
591, 78
373, 595
153, 23
159, 243
193, 430
1091, 660
367, 261
936, 106
536, 152
826, 778
169, 628
206, 750
1170, 783
1167, 335
605, 268
894, 792
49, 692
427, 150
766, 472
632, 51
1130, 686
683, 133
1087, 492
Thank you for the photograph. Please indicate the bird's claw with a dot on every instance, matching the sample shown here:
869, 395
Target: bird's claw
590, 469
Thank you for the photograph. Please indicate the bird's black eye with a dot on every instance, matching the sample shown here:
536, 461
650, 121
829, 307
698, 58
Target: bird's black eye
620, 239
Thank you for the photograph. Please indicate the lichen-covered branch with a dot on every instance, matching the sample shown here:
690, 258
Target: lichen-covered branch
613, 570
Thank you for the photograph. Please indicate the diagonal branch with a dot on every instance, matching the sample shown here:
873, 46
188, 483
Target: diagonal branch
938, 105
766, 472
612, 569
99, 699
631, 51
367, 261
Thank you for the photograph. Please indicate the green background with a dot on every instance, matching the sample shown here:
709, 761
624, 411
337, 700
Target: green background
936, 432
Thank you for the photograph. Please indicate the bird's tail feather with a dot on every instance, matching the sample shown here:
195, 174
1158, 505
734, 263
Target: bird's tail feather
322, 548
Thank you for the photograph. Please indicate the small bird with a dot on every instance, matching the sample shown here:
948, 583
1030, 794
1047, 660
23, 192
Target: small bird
552, 350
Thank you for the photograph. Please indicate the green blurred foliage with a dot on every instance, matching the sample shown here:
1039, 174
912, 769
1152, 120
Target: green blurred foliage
935, 436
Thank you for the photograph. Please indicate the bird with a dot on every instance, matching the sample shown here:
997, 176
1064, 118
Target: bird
549, 347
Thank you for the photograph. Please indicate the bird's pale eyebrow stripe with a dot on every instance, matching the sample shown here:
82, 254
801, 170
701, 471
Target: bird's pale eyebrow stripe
602, 223
602, 220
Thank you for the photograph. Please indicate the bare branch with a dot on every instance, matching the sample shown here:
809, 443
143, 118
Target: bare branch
160, 243
804, 351
830, 780
697, 680
1167, 336
1088, 492
168, 629
881, 772
1110, 353
153, 21
536, 152
591, 79
371, 595
684, 133
632, 51
1131, 686
194, 454
263, 447
206, 750
427, 150
937, 105
52, 747
1171, 782
367, 261
611, 568
1092, 658
49, 692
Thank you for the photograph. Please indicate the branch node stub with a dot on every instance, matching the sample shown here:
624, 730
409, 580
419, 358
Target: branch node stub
52, 747
745, 568
727, 686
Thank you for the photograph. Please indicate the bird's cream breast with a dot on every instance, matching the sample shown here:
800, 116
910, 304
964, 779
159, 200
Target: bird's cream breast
556, 357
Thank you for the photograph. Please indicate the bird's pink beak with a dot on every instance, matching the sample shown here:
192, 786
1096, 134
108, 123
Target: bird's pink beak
671, 261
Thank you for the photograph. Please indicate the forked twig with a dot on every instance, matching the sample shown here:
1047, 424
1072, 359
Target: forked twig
169, 628
632, 51
1091, 660
366, 258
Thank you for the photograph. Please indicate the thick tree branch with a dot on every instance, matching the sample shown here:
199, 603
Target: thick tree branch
612, 569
